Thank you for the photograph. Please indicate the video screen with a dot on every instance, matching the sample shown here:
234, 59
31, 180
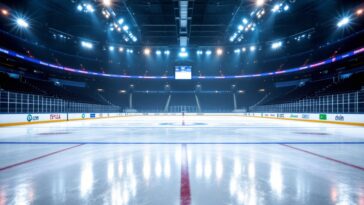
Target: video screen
183, 72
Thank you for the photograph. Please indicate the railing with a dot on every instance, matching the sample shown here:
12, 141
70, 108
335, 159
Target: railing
11, 102
336, 103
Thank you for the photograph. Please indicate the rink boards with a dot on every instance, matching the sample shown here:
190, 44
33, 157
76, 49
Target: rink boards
22, 119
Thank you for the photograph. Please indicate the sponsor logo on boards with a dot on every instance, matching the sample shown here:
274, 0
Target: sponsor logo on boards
54, 116
339, 118
83, 115
280, 115
323, 116
92, 115
32, 118
294, 116
305, 116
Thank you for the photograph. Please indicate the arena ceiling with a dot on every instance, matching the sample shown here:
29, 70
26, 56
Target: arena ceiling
205, 22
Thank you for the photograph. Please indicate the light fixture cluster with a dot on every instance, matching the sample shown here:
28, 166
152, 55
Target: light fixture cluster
249, 24
59, 35
208, 52
87, 45
183, 53
280, 7
277, 45
303, 36
115, 24
158, 52
86, 8
120, 49
245, 26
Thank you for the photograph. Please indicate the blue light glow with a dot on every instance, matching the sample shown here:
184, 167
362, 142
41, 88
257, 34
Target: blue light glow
22, 23
343, 22
291, 70
183, 54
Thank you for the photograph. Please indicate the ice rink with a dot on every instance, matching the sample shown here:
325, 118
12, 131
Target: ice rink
168, 160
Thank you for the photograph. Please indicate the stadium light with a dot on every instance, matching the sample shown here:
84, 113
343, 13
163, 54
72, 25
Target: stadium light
237, 51
79, 7
243, 49
147, 51
276, 45
107, 3
199, 52
275, 8
4, 12
22, 23
208, 52
286, 8
183, 54
219, 51
89, 8
245, 21
241, 27
87, 45
158, 52
252, 48
167, 52
121, 49
359, 12
121, 21
111, 48
125, 28
260, 3
343, 22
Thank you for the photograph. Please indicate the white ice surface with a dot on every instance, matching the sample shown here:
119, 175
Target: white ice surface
231, 160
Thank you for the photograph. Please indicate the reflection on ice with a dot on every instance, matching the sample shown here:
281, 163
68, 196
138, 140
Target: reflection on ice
208, 168
199, 168
24, 193
87, 179
276, 178
120, 168
167, 167
237, 166
146, 167
251, 170
158, 168
110, 171
219, 168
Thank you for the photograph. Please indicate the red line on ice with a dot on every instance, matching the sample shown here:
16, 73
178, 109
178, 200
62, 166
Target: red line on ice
36, 158
185, 178
325, 157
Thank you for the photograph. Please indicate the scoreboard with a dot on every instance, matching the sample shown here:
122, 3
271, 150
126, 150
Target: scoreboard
183, 72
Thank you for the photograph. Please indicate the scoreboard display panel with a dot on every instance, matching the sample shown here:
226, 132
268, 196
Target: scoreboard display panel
183, 72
